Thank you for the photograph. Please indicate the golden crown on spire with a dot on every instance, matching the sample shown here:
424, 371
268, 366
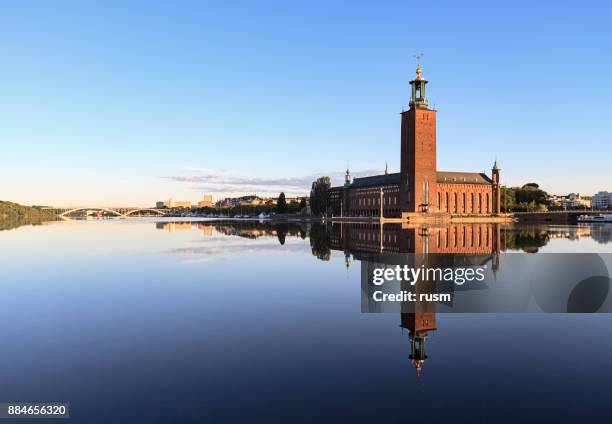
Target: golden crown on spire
418, 73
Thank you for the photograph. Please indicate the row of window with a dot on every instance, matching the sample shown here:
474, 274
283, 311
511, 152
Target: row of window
464, 237
475, 204
374, 201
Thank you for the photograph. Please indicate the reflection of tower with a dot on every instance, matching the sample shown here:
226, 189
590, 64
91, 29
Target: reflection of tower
423, 318
419, 324
381, 247
347, 260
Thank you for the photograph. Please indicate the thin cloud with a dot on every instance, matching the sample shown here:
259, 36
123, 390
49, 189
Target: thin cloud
227, 184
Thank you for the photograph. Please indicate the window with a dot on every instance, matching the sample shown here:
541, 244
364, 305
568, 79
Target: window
464, 207
456, 206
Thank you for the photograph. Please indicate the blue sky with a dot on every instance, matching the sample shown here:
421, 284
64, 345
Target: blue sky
125, 103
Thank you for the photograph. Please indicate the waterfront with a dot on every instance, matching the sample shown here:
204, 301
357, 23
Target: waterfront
149, 320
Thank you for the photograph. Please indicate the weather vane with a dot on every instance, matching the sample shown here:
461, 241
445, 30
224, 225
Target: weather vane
418, 57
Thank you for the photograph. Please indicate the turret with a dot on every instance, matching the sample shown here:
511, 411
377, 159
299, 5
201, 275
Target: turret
347, 178
495, 172
418, 100
496, 188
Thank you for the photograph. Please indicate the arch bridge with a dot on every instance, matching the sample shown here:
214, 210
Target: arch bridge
118, 212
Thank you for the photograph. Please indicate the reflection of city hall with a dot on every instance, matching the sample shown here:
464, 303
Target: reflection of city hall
382, 246
419, 190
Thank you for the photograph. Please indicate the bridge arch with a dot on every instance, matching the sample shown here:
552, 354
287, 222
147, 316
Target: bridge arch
157, 211
91, 208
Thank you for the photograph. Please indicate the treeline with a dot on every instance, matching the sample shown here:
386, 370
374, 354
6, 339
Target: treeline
13, 215
10, 210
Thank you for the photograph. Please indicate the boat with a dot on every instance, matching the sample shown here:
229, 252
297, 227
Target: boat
264, 215
595, 218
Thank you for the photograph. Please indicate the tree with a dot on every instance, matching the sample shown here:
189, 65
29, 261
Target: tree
319, 195
302, 203
281, 204
527, 198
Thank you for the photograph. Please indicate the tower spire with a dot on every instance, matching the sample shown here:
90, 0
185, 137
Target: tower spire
418, 99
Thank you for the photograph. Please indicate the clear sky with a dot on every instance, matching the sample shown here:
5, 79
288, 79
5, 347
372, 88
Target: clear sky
125, 103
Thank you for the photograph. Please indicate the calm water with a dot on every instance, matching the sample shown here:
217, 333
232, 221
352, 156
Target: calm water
154, 321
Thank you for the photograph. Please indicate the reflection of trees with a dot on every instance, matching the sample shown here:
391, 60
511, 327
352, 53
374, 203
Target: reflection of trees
254, 229
12, 222
529, 240
281, 233
320, 242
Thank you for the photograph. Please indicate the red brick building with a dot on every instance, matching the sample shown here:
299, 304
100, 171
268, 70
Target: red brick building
419, 188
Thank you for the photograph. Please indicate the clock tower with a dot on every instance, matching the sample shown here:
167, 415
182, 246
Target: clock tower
418, 152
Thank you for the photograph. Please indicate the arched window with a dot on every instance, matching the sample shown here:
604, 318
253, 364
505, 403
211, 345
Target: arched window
447, 206
479, 202
456, 206
464, 206
472, 207
439, 198
487, 203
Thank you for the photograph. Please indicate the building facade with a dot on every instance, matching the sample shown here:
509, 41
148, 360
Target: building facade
419, 188
602, 200
206, 202
171, 203
571, 201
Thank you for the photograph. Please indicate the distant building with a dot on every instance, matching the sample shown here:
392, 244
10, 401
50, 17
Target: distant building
206, 202
230, 202
571, 201
602, 200
252, 200
171, 203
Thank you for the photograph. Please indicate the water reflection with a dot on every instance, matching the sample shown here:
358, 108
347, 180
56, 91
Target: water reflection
174, 305
9, 223
374, 246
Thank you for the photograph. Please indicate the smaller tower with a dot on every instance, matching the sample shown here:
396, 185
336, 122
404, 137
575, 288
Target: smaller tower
347, 178
386, 168
495, 172
496, 188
